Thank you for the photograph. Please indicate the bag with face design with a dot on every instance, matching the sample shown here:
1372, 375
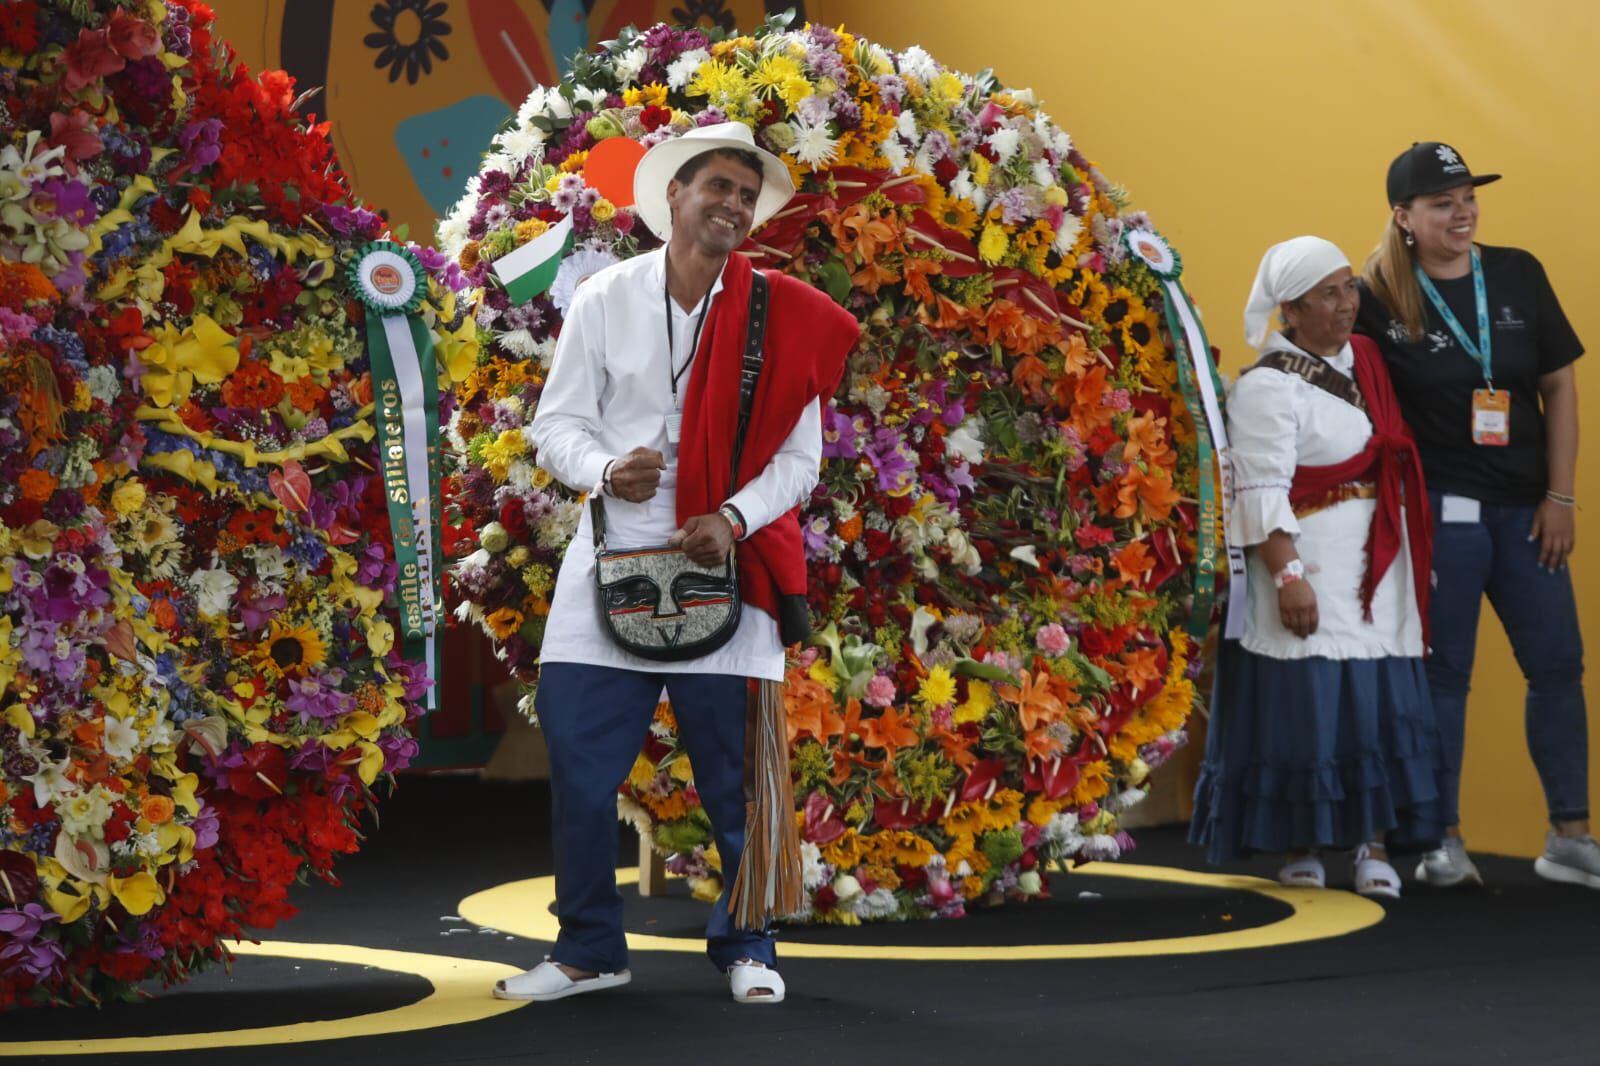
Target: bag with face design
656, 602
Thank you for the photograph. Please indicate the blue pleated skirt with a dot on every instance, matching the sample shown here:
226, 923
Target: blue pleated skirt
1319, 753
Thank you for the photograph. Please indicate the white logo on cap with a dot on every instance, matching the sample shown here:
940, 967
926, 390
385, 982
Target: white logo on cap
1448, 157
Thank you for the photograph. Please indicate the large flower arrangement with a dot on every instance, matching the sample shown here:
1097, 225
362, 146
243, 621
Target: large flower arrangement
998, 545
198, 684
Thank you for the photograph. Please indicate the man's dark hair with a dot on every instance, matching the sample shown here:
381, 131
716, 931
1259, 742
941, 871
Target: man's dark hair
686, 173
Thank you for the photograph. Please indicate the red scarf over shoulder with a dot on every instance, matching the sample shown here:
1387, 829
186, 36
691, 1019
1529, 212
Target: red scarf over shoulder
1390, 458
807, 339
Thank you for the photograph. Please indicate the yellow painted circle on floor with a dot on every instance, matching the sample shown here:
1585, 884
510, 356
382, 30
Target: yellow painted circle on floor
523, 908
461, 993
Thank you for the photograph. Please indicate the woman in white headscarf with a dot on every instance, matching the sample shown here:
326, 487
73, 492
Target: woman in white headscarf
1322, 734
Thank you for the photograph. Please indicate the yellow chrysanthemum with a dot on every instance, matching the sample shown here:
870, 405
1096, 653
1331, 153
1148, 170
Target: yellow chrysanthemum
652, 95
993, 244
529, 228
937, 689
772, 72
980, 700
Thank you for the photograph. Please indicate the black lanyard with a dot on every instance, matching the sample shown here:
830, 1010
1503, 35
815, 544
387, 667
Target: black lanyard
673, 371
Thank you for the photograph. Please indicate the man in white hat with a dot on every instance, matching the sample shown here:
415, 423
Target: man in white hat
642, 405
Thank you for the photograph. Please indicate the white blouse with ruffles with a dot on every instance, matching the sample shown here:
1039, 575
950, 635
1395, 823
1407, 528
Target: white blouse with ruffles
1277, 421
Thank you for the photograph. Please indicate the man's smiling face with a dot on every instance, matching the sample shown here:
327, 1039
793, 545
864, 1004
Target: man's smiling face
715, 208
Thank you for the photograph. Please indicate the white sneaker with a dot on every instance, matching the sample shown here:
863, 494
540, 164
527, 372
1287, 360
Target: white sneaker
1574, 860
1448, 866
1375, 877
547, 981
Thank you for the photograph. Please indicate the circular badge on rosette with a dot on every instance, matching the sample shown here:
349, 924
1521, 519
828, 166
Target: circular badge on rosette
1002, 547
1154, 251
204, 678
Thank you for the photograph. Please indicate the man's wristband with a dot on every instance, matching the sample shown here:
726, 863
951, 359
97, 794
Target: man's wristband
735, 519
1293, 570
605, 478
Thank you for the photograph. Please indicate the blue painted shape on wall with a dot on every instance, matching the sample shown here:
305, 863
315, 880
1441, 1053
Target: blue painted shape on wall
444, 148
569, 32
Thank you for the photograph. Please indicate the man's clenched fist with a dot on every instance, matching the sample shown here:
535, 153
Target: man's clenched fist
636, 475
705, 539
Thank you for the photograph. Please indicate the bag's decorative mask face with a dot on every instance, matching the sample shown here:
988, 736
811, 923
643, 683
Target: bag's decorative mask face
660, 599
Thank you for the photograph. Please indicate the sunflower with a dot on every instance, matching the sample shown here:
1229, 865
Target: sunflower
294, 649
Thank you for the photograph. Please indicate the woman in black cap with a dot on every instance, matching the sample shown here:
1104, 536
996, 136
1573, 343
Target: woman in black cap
1481, 356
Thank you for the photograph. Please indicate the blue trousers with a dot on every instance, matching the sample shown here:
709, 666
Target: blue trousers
595, 719
1494, 557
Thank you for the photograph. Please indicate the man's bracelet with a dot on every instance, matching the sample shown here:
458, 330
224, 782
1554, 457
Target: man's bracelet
1562, 498
735, 519
605, 478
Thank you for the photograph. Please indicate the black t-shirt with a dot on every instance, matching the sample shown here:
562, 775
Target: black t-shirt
1435, 377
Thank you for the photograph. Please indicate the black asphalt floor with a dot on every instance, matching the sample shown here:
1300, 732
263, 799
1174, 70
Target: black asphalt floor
1505, 974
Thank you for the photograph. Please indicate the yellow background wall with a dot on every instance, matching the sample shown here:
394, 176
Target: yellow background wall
1238, 123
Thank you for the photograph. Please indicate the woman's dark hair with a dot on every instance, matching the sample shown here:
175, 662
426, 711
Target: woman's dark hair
686, 173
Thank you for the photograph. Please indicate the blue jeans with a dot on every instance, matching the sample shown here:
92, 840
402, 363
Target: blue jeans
1540, 616
595, 719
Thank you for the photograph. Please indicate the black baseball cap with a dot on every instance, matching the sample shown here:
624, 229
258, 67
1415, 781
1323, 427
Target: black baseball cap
1428, 167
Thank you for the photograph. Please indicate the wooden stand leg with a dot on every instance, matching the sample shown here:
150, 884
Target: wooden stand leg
652, 869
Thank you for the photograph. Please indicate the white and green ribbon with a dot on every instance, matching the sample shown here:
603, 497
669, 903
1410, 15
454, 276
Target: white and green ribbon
390, 281
531, 269
1202, 391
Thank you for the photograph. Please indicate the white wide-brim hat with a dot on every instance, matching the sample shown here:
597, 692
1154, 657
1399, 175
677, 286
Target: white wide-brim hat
662, 162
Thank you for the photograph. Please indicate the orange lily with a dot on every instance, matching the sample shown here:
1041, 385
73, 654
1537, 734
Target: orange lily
810, 708
1036, 702
891, 731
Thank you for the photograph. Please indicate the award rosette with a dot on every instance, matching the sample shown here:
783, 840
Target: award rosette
389, 280
1201, 388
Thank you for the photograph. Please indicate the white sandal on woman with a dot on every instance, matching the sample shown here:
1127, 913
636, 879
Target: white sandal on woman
1304, 872
1375, 877
755, 982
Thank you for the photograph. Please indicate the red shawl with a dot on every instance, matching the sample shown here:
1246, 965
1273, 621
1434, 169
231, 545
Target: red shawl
1390, 458
807, 339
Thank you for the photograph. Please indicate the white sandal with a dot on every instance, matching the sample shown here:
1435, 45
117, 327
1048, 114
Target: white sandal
1375, 877
547, 981
1304, 872
754, 982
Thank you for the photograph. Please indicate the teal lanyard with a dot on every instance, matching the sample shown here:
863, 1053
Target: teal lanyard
1479, 351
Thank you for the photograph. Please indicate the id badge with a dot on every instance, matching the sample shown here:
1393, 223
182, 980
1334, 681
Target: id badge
1491, 417
674, 427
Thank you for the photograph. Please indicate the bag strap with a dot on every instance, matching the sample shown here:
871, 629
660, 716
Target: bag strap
1315, 372
750, 370
749, 374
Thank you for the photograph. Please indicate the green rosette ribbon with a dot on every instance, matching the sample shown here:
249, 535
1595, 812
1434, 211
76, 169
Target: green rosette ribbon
1201, 387
389, 280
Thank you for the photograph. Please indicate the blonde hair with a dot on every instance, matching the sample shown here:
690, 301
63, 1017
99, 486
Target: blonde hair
1390, 274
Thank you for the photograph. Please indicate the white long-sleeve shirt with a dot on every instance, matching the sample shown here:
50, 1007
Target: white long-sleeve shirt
1277, 421
610, 391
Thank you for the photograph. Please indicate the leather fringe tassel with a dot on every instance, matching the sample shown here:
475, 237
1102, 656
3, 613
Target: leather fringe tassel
768, 883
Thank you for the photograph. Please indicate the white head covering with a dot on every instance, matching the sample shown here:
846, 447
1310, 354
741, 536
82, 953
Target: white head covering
663, 160
1288, 271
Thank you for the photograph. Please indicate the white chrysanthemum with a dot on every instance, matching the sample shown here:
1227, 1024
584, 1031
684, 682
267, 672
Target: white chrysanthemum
519, 342
1043, 173
588, 95
814, 145
531, 107
556, 105
680, 72
1004, 142
962, 186
452, 231
523, 142
501, 163
628, 65
907, 126
918, 63
575, 269
1061, 832
1067, 235
878, 60
877, 905
896, 156
1102, 847
814, 872
519, 475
